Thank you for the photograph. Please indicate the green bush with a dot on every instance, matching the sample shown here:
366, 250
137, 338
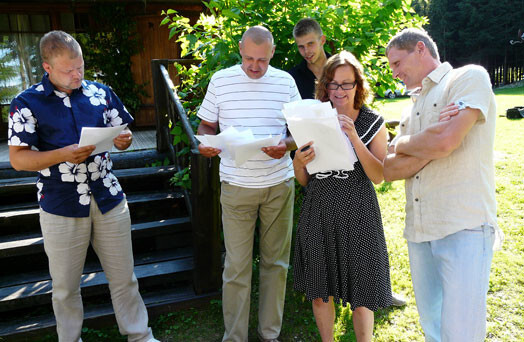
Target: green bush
362, 27
108, 48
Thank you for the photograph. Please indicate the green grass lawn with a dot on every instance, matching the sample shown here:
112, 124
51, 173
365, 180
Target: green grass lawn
506, 291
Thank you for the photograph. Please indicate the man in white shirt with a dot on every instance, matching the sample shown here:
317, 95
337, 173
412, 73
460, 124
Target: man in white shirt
445, 153
251, 96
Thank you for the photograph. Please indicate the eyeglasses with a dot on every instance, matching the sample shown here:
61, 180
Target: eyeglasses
344, 86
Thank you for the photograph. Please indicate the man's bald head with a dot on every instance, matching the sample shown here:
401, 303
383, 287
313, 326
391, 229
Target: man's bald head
258, 34
256, 49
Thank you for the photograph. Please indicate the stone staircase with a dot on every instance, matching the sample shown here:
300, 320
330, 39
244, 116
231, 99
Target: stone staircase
163, 246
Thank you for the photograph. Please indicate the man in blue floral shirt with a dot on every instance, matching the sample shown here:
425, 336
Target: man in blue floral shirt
80, 198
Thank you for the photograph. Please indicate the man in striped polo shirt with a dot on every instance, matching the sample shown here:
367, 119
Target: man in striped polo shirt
251, 96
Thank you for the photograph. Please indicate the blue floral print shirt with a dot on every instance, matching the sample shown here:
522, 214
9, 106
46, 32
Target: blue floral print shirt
47, 119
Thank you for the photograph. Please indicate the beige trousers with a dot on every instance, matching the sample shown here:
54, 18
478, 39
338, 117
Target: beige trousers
240, 209
65, 241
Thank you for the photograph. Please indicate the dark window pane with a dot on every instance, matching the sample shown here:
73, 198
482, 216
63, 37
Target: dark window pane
81, 22
5, 113
40, 23
4, 23
19, 23
67, 20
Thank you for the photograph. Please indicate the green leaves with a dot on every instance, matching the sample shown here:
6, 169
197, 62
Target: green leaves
178, 134
182, 179
108, 51
362, 27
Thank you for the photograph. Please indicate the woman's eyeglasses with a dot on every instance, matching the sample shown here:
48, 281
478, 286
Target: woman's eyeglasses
344, 86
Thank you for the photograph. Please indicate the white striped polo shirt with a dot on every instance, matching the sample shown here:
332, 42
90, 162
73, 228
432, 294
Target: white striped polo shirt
234, 99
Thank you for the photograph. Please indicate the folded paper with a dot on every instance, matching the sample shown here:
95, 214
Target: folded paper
312, 120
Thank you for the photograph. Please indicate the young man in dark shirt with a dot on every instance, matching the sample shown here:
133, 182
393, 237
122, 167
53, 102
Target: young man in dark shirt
310, 43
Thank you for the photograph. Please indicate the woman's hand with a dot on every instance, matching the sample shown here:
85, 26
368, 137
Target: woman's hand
304, 154
348, 126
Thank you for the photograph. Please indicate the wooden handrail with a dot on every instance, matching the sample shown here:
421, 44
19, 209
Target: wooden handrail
203, 200
172, 93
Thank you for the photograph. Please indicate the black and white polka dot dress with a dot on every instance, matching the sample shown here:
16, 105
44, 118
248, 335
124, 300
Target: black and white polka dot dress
340, 249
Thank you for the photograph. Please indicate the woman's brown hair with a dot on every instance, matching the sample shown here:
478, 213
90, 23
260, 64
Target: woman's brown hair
343, 58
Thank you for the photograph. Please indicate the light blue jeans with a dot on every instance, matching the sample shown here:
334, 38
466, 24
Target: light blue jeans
451, 279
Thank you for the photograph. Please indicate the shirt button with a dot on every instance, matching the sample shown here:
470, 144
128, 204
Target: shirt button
434, 105
418, 113
417, 177
416, 199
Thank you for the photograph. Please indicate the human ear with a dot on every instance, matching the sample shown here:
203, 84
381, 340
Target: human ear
46, 66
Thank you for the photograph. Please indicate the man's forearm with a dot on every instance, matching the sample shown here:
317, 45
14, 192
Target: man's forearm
29, 160
440, 139
23, 158
207, 128
424, 145
400, 166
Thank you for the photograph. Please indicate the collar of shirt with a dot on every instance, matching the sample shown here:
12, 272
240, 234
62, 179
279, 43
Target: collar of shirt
305, 79
436, 75
49, 88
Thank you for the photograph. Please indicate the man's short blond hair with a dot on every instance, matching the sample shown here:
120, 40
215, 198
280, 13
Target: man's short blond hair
56, 43
408, 38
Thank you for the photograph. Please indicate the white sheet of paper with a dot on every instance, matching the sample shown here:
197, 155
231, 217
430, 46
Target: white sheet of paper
308, 108
101, 137
238, 146
223, 140
314, 121
247, 150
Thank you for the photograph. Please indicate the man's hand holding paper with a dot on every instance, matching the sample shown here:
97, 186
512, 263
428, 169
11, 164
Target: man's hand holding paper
101, 137
123, 140
277, 151
208, 151
239, 146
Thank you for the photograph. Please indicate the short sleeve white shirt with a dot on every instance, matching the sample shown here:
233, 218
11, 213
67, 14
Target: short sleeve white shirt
234, 99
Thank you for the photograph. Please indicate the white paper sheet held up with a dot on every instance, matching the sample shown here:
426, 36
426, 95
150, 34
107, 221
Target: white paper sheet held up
247, 150
101, 137
238, 146
311, 120
223, 139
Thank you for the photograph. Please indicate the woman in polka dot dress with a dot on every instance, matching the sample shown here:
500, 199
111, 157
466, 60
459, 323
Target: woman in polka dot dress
340, 250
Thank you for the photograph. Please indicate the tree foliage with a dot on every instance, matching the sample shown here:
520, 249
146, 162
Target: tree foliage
363, 27
475, 31
108, 48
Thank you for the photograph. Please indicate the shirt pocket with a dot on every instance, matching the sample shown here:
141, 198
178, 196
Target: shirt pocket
433, 111
404, 126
